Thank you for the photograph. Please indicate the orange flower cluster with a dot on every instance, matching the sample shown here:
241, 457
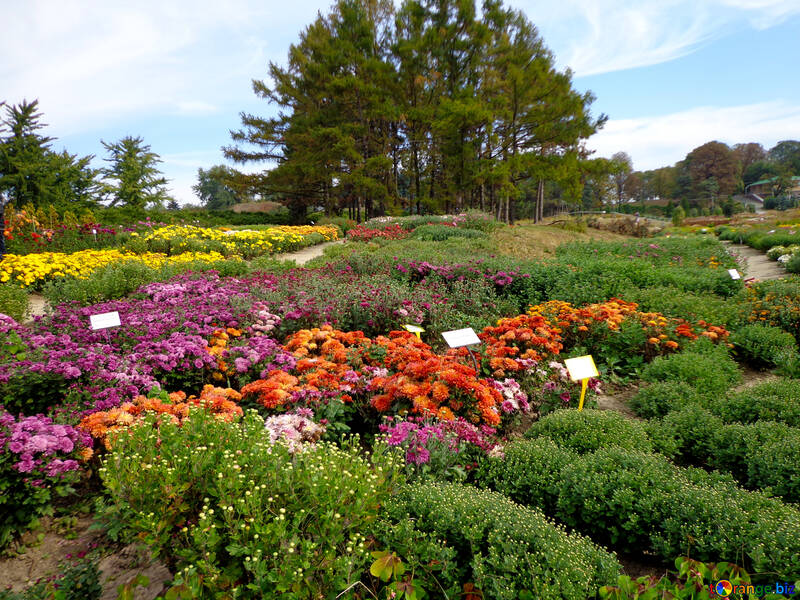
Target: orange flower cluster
327, 342
526, 337
432, 384
663, 333
216, 348
274, 391
218, 401
405, 372
325, 367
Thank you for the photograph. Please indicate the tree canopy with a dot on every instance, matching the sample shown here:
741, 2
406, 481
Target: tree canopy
132, 178
31, 172
435, 105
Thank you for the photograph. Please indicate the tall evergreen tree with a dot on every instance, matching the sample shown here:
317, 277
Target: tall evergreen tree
132, 177
461, 106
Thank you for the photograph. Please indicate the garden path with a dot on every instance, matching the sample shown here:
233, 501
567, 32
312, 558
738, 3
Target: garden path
757, 263
37, 305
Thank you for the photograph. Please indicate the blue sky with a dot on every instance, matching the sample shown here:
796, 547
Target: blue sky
670, 74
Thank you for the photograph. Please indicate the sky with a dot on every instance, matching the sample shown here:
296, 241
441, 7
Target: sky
669, 74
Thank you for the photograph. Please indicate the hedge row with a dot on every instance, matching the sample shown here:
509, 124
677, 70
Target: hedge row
505, 550
636, 500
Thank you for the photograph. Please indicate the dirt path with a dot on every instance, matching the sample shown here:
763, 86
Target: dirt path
757, 263
37, 305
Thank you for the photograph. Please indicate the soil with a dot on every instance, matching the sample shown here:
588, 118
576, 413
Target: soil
615, 397
43, 549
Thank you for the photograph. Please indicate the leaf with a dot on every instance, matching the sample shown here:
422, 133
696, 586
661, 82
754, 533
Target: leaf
386, 565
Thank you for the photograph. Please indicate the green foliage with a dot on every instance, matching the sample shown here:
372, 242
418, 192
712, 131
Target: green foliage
693, 581
437, 233
706, 367
506, 551
762, 455
662, 397
763, 345
213, 187
234, 510
678, 215
31, 172
13, 301
589, 430
121, 279
634, 500
133, 179
674, 302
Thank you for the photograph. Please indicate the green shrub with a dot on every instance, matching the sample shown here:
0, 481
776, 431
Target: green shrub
661, 397
244, 512
706, 367
589, 430
673, 302
635, 500
759, 455
793, 264
119, 280
13, 301
438, 233
763, 345
777, 400
507, 551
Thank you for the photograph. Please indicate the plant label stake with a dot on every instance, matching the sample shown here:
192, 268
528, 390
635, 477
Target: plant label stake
104, 320
415, 329
734, 274
460, 338
581, 369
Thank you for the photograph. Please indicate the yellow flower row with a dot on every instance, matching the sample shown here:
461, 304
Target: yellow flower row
177, 238
33, 269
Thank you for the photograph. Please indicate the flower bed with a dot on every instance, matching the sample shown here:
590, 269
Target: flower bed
176, 239
33, 270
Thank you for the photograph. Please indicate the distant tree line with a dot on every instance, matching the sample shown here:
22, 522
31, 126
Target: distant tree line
32, 173
705, 180
431, 106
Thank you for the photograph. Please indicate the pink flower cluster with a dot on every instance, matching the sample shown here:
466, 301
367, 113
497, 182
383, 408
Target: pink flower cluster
514, 399
420, 437
38, 442
295, 429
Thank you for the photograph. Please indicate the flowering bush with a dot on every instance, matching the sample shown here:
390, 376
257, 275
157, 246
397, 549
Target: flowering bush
32, 270
219, 402
360, 233
294, 429
244, 514
37, 457
176, 239
440, 449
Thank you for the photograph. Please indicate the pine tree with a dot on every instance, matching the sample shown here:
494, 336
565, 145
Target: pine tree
132, 178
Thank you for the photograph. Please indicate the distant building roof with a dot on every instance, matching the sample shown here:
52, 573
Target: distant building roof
771, 179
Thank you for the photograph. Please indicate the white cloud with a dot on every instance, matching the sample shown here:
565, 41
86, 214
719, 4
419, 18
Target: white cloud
601, 36
94, 62
660, 141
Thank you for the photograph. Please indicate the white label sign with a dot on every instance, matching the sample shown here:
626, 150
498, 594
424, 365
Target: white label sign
413, 328
734, 274
104, 320
581, 367
461, 337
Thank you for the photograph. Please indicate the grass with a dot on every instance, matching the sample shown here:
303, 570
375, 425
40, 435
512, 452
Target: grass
526, 240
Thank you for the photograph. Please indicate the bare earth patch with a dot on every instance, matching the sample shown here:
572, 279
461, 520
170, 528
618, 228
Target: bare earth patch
118, 567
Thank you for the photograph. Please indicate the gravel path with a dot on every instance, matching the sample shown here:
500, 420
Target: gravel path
37, 305
758, 265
